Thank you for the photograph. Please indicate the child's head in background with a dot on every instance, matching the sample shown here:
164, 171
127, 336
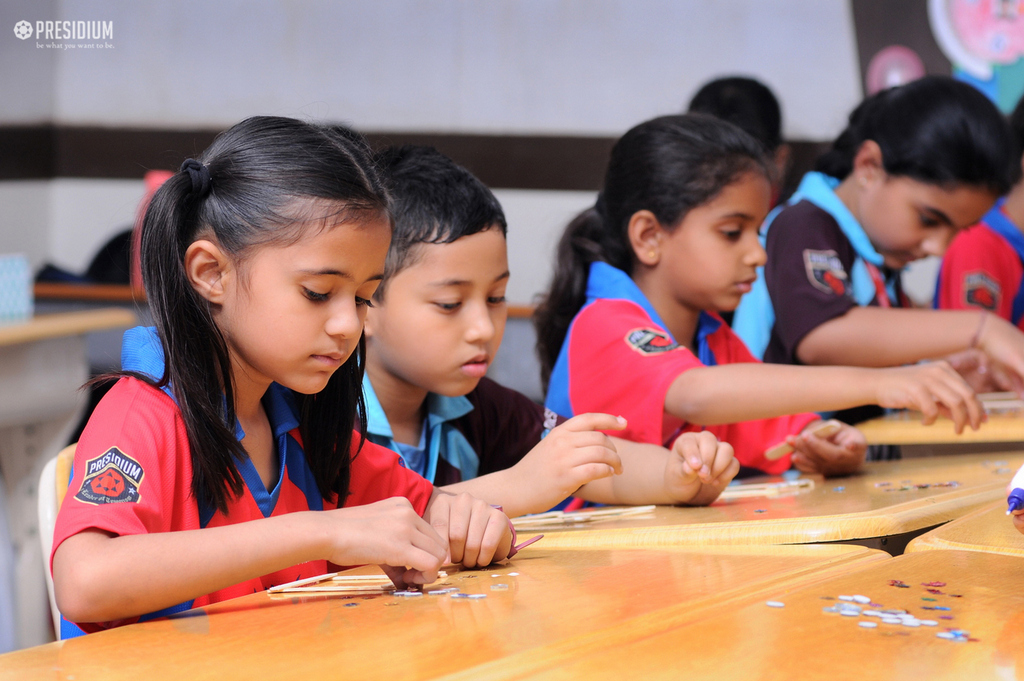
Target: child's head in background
1017, 133
682, 202
440, 313
259, 259
918, 162
751, 106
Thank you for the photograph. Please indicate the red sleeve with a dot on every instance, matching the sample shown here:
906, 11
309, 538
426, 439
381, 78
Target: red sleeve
750, 439
377, 474
130, 467
621, 363
979, 271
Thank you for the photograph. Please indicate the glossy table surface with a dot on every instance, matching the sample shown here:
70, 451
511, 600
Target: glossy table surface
801, 641
557, 595
65, 324
905, 428
987, 529
882, 501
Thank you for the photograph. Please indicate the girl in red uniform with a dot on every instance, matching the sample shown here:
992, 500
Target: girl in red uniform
195, 479
630, 325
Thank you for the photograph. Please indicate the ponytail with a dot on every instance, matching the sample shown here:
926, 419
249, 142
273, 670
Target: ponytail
668, 165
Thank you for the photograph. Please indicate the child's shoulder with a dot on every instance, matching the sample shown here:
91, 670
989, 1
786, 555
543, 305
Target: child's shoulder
979, 237
804, 216
132, 404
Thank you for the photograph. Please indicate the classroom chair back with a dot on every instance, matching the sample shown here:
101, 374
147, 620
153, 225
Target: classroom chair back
53, 485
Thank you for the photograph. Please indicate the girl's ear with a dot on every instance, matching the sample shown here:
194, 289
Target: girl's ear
645, 235
208, 268
867, 164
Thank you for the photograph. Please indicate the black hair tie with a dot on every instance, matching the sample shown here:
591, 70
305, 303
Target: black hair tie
199, 174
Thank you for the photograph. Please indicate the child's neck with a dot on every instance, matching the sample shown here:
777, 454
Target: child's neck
404, 404
847, 193
680, 319
1014, 205
259, 440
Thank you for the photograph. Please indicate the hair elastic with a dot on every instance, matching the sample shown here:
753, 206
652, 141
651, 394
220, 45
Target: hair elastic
199, 174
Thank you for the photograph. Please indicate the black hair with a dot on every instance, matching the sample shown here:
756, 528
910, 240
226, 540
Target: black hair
268, 176
669, 166
434, 201
1017, 132
935, 130
746, 103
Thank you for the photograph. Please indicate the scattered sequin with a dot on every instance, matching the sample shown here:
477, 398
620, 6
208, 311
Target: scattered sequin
898, 583
775, 604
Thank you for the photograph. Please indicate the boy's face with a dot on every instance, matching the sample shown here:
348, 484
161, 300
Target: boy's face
443, 316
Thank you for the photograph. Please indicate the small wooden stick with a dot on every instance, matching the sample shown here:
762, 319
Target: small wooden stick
301, 582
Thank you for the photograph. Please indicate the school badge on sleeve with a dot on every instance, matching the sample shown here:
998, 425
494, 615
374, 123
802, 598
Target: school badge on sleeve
650, 342
981, 290
111, 478
825, 271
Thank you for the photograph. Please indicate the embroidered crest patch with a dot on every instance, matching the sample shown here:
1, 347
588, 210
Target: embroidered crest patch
981, 290
111, 478
825, 271
650, 342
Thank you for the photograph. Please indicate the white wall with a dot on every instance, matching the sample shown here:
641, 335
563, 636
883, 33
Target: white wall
528, 66
589, 67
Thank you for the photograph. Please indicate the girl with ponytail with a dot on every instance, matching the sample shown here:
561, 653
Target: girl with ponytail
197, 477
630, 325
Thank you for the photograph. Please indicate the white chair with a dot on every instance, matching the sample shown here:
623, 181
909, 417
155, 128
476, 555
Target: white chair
53, 485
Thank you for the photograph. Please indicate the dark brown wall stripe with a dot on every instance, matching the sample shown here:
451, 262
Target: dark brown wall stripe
501, 161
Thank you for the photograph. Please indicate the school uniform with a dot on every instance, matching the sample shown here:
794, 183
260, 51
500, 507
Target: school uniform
984, 269
619, 358
820, 265
133, 474
490, 429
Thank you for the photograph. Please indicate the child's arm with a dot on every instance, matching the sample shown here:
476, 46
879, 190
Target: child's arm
747, 391
573, 454
693, 472
99, 577
879, 337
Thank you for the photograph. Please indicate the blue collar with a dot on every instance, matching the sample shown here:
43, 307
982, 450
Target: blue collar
440, 410
819, 189
141, 352
610, 283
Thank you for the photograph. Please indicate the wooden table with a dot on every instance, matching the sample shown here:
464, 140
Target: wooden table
988, 529
43, 363
557, 595
905, 428
800, 641
862, 508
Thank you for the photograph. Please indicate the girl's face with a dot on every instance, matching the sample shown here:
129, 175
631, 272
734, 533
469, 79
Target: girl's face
907, 220
293, 314
711, 258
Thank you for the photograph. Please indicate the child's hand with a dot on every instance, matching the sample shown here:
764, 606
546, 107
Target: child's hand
477, 534
390, 534
698, 468
1004, 345
840, 454
979, 372
933, 388
573, 454
1018, 519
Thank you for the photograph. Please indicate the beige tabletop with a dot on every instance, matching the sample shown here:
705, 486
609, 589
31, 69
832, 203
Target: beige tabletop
556, 595
66, 324
987, 529
905, 428
801, 641
883, 501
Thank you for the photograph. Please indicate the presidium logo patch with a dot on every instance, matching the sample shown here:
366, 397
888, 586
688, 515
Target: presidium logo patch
825, 271
111, 478
650, 342
981, 290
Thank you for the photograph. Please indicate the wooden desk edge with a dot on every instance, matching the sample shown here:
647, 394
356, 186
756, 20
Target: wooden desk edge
66, 324
830, 528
